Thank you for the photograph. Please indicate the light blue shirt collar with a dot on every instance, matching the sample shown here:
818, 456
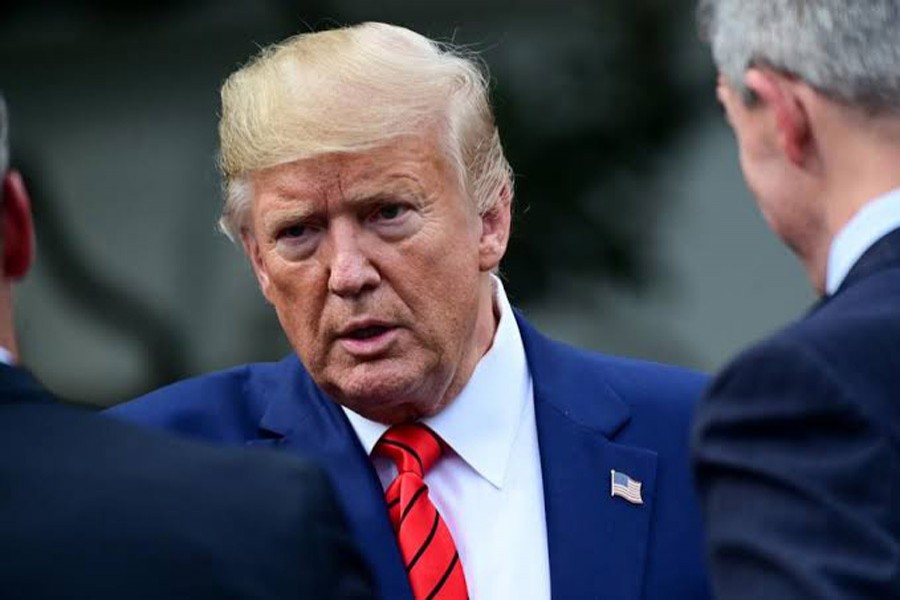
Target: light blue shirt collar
873, 221
6, 357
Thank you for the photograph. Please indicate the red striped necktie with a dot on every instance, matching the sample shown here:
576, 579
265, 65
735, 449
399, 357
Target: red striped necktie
432, 562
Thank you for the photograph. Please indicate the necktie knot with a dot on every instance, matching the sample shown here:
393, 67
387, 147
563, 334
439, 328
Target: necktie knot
414, 448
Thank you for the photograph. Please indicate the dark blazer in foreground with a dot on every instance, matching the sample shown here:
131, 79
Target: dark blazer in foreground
94, 508
594, 414
797, 450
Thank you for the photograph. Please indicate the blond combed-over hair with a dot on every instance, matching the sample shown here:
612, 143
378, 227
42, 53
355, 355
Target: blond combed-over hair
351, 90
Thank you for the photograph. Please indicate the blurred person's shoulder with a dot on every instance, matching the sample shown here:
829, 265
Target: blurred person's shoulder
842, 355
124, 459
88, 495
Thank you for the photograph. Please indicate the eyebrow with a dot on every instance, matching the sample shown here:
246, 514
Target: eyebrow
278, 218
302, 208
384, 188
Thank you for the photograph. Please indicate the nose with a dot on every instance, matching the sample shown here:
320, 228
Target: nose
351, 271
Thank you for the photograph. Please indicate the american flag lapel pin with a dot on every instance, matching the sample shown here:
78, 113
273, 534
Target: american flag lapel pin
623, 486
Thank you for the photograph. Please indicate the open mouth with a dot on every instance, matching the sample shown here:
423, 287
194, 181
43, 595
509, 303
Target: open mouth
368, 340
367, 333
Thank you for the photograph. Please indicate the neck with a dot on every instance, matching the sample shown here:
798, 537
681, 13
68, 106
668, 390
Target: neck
816, 267
863, 168
483, 338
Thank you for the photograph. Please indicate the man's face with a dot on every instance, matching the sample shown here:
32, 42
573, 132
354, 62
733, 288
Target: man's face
378, 268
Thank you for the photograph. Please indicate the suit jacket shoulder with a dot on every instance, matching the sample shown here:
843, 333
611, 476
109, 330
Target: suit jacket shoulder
96, 508
796, 447
849, 345
225, 406
643, 394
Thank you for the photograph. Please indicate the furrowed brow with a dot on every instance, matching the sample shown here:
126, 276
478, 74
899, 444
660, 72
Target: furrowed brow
276, 219
399, 187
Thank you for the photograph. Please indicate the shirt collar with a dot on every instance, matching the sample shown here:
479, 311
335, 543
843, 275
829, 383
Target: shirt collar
481, 423
872, 222
6, 357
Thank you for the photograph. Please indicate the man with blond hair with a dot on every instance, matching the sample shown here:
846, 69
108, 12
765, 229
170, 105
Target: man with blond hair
797, 445
474, 457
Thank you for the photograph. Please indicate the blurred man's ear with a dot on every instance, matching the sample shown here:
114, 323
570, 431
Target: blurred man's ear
779, 93
16, 229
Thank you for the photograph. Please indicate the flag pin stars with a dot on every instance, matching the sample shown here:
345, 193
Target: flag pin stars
623, 486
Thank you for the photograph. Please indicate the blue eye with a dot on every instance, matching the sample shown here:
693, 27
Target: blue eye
389, 212
294, 231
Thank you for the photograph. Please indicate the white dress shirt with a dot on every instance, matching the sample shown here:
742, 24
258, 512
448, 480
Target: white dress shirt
6, 357
488, 488
873, 221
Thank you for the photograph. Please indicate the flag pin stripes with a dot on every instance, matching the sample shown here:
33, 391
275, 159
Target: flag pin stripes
623, 486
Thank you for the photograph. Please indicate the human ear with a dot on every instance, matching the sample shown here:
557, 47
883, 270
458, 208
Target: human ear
495, 228
778, 92
17, 227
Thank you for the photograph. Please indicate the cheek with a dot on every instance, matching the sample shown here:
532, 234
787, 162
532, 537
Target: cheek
749, 172
440, 266
756, 169
294, 294
446, 300
281, 290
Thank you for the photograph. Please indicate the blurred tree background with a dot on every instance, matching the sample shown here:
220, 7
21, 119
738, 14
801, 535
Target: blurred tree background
113, 114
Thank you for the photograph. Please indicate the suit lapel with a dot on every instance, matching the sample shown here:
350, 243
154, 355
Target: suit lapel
302, 420
597, 542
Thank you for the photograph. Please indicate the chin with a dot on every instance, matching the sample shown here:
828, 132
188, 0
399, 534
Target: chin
385, 395
393, 415
385, 410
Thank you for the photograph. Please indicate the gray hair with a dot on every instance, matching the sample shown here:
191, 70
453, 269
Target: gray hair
351, 90
848, 50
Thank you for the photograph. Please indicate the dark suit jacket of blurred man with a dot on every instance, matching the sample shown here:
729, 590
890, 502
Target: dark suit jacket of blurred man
824, 394
594, 414
93, 508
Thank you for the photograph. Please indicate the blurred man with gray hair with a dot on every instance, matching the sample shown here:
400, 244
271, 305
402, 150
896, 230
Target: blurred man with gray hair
474, 457
93, 508
797, 445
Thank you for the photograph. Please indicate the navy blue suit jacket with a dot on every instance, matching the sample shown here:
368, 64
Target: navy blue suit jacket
94, 508
594, 414
797, 450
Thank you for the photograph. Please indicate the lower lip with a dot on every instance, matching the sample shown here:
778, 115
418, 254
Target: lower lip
369, 347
